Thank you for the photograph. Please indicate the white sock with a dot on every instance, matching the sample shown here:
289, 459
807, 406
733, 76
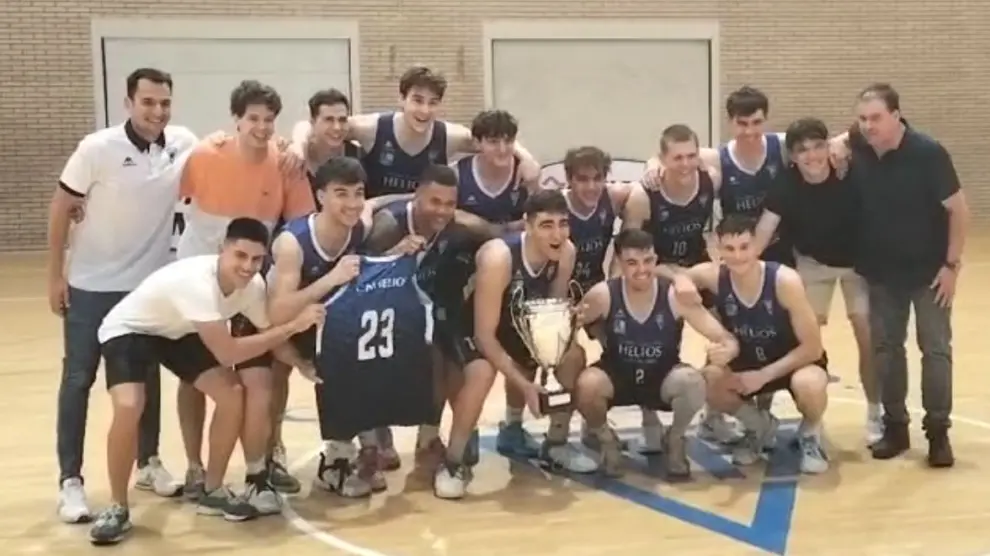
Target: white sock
805, 429
650, 418
195, 466
255, 467
426, 435
513, 414
339, 449
368, 439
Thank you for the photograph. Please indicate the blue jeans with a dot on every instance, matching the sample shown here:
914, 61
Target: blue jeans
82, 358
890, 308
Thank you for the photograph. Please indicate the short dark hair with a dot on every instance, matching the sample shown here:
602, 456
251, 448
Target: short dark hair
586, 157
746, 101
633, 238
327, 97
248, 229
343, 170
677, 133
252, 93
545, 200
736, 224
439, 174
884, 92
422, 77
805, 129
494, 124
156, 76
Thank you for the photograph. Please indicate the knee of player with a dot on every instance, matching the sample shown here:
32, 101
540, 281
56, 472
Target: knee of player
128, 400
229, 395
593, 383
688, 384
479, 374
810, 380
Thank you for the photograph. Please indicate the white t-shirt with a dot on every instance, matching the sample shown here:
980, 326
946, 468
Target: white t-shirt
184, 292
131, 188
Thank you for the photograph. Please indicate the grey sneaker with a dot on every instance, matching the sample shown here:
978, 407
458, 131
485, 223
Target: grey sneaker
223, 502
193, 486
280, 478
111, 526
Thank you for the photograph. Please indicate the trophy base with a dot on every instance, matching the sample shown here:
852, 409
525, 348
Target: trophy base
555, 402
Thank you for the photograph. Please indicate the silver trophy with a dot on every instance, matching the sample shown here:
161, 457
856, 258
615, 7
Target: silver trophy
547, 328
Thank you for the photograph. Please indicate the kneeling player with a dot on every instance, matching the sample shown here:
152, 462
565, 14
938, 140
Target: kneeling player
178, 317
780, 346
638, 317
538, 263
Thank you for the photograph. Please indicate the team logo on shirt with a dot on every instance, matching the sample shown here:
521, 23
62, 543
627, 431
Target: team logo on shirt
619, 325
601, 216
659, 320
171, 152
768, 305
703, 199
772, 170
387, 156
514, 195
663, 215
433, 155
730, 306
128, 161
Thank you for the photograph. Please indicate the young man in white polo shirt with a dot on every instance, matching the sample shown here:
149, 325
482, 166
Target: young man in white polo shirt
179, 317
127, 177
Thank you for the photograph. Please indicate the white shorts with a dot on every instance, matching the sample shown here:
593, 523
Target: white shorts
819, 282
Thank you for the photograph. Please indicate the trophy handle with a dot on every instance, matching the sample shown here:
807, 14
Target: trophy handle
515, 315
575, 292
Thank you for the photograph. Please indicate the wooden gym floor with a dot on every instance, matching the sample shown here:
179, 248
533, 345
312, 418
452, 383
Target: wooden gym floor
860, 507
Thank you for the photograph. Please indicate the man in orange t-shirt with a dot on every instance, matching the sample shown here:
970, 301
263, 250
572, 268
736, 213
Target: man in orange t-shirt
226, 179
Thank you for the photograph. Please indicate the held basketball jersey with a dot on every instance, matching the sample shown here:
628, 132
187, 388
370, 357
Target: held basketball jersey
375, 356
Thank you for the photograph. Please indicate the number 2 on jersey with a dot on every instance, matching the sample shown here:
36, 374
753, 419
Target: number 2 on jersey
376, 341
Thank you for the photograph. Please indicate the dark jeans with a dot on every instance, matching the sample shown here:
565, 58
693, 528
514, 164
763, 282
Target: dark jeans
890, 308
82, 357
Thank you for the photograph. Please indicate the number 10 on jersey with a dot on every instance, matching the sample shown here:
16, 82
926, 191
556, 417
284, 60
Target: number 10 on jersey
377, 335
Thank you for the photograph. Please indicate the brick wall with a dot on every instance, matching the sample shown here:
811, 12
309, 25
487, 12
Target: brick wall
811, 57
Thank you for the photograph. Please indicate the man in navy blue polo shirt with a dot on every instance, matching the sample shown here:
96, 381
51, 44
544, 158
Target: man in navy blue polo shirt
913, 223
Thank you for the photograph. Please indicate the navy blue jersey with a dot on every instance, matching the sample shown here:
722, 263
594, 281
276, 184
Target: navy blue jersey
499, 207
393, 170
430, 257
678, 230
743, 192
591, 234
763, 329
636, 344
316, 261
351, 149
375, 357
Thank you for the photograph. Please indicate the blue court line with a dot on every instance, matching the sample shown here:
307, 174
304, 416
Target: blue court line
770, 526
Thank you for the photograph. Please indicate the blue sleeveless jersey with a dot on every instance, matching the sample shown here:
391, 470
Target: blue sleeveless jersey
591, 234
375, 356
744, 193
429, 258
499, 208
316, 261
763, 329
393, 170
636, 346
679, 230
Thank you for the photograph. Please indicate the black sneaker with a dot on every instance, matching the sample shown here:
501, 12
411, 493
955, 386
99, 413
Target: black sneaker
223, 502
341, 477
111, 526
280, 478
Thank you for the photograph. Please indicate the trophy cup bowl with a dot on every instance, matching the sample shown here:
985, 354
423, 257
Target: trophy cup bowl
547, 328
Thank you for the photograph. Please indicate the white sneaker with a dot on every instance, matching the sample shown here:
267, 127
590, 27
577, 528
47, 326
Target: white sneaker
874, 428
755, 443
565, 456
340, 476
814, 460
155, 478
72, 506
714, 427
263, 497
652, 439
451, 481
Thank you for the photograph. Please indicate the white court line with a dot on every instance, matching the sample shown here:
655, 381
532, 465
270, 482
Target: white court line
304, 526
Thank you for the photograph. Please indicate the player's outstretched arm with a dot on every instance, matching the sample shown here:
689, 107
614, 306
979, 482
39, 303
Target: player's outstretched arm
792, 296
595, 307
724, 346
286, 299
492, 277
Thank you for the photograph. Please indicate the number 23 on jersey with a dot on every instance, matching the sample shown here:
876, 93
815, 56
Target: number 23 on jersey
377, 335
